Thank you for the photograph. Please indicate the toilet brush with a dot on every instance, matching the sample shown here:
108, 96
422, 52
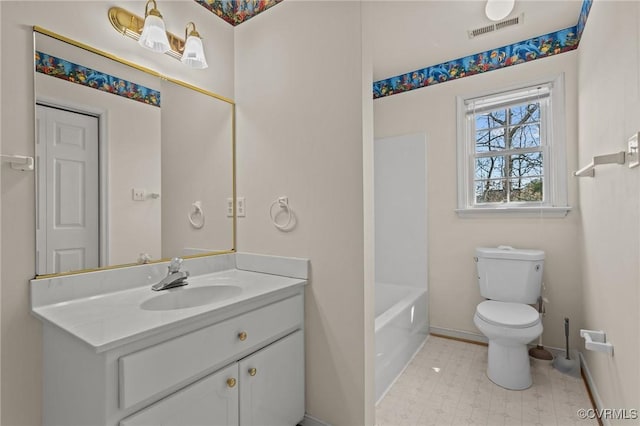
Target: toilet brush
539, 352
565, 364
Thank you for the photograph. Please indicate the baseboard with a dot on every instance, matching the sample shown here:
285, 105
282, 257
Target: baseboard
312, 421
593, 390
457, 334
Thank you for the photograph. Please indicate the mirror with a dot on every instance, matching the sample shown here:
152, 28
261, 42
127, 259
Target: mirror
131, 166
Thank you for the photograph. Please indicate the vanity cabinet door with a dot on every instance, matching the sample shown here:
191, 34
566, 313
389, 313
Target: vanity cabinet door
212, 401
272, 384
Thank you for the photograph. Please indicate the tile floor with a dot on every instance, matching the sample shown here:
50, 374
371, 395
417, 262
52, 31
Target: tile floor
446, 384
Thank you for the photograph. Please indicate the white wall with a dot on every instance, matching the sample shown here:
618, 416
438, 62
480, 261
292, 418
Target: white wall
453, 286
609, 105
196, 166
401, 210
299, 94
21, 333
0, 223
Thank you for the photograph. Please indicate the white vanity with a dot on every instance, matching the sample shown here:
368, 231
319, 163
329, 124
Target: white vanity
227, 349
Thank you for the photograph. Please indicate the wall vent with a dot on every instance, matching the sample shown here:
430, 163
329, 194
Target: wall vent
497, 26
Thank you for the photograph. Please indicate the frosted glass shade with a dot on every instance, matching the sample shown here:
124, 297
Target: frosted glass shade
498, 9
154, 36
193, 54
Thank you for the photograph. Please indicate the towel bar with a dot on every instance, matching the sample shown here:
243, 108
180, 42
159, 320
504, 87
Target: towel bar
589, 170
18, 162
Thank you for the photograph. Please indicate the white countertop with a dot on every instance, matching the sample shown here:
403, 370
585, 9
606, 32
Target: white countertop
106, 321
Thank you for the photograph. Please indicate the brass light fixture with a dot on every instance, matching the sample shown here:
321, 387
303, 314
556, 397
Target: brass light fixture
193, 54
190, 52
154, 34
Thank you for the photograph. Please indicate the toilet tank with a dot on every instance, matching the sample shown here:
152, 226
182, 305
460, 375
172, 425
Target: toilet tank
510, 275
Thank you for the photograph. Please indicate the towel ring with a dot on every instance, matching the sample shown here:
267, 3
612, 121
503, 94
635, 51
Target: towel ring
196, 216
283, 203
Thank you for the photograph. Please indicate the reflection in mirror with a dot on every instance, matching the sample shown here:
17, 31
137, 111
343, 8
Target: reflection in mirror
130, 167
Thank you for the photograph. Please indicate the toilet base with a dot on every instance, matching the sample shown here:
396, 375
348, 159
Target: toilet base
508, 365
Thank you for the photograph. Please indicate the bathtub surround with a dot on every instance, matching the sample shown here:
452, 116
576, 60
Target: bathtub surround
401, 327
401, 289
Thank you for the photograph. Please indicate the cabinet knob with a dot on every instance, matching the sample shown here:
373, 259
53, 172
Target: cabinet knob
231, 382
252, 371
242, 335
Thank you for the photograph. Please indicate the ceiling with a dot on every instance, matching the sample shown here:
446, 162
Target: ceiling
411, 35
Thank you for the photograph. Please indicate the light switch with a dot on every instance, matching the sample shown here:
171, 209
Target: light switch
240, 207
229, 207
240, 210
632, 151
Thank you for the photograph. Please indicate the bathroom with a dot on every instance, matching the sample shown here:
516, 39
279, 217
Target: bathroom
305, 129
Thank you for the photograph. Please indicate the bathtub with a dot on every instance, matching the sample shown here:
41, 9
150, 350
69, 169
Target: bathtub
401, 328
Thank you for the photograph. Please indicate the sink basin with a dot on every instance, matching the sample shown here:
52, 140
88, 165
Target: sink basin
189, 297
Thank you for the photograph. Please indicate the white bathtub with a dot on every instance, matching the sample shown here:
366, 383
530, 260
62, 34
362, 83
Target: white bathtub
401, 328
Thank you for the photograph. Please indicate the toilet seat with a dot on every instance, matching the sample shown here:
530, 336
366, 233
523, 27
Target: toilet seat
507, 314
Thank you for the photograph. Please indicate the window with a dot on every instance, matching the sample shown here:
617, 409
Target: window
511, 151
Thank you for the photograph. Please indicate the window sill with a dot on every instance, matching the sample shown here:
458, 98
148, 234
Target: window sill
525, 212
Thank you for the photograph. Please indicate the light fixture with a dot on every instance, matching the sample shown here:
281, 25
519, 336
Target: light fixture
193, 53
190, 52
154, 35
497, 10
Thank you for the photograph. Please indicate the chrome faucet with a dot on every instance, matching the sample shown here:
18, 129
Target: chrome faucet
175, 277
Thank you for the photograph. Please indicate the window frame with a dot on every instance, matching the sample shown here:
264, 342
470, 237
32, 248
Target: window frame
552, 117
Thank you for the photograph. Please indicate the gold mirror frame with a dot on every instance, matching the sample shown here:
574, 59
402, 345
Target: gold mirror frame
43, 31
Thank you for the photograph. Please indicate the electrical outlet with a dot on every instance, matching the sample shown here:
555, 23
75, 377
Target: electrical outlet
138, 194
240, 207
229, 207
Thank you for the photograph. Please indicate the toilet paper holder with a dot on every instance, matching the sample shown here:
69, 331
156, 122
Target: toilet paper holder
596, 340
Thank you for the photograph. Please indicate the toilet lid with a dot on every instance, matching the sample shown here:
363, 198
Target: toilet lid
507, 314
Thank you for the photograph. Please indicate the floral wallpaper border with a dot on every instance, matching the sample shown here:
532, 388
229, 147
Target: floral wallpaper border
539, 47
237, 11
584, 14
65, 70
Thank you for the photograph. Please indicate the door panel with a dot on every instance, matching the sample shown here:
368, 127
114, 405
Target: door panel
68, 185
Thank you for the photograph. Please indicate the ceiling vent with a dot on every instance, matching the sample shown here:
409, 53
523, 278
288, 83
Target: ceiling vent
497, 26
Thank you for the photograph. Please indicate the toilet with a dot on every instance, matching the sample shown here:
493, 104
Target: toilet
511, 279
